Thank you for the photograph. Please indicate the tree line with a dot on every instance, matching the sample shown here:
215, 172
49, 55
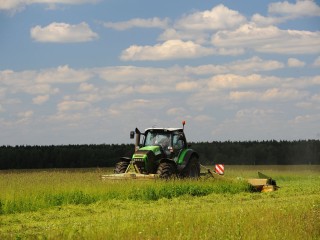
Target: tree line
64, 156
260, 152
106, 155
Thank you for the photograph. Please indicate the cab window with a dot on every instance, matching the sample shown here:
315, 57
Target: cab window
178, 142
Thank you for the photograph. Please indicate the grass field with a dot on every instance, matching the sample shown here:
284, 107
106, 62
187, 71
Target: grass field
76, 204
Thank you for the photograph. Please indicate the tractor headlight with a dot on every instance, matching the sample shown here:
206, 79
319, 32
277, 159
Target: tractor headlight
138, 159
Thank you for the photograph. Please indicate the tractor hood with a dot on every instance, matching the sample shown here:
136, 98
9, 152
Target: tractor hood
155, 149
144, 158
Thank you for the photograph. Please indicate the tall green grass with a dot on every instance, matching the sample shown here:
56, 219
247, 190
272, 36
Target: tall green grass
23, 192
78, 205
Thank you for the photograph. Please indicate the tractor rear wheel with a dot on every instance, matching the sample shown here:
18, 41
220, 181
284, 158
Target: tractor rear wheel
121, 167
166, 170
192, 170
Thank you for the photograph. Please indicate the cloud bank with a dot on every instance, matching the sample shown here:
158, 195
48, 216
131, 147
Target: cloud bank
63, 33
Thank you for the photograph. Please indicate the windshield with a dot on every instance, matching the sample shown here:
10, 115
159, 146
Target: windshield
157, 138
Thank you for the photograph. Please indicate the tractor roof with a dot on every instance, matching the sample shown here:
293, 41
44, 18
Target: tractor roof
165, 129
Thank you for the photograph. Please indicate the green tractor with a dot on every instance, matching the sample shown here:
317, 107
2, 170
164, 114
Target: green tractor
162, 153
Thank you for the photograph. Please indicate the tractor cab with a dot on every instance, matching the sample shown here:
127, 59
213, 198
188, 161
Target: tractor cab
170, 140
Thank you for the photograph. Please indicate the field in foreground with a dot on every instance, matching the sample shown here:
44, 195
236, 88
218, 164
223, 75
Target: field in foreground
65, 204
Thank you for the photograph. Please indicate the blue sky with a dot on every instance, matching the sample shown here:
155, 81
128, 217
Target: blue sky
89, 71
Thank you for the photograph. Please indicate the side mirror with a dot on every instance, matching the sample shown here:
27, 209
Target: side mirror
132, 135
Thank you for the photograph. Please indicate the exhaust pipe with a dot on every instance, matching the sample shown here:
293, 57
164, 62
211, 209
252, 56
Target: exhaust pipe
136, 146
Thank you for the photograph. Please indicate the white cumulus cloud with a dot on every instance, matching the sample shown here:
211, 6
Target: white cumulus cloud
16, 5
306, 119
40, 99
176, 111
63, 33
86, 87
70, 105
199, 37
269, 40
298, 9
172, 49
254, 64
27, 114
279, 12
293, 62
232, 81
199, 25
187, 86
219, 17
266, 21
62, 74
273, 94
138, 23
316, 62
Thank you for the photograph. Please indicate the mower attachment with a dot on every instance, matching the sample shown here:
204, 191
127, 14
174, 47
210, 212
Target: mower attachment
263, 183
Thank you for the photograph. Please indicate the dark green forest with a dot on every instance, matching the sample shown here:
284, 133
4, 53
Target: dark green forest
106, 155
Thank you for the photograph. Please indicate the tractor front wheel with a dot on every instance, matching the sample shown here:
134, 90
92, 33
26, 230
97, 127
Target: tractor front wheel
166, 170
121, 167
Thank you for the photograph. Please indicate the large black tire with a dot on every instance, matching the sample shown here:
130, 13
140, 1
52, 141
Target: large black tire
166, 170
192, 170
121, 167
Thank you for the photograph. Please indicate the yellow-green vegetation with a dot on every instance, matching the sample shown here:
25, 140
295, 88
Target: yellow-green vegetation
65, 204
